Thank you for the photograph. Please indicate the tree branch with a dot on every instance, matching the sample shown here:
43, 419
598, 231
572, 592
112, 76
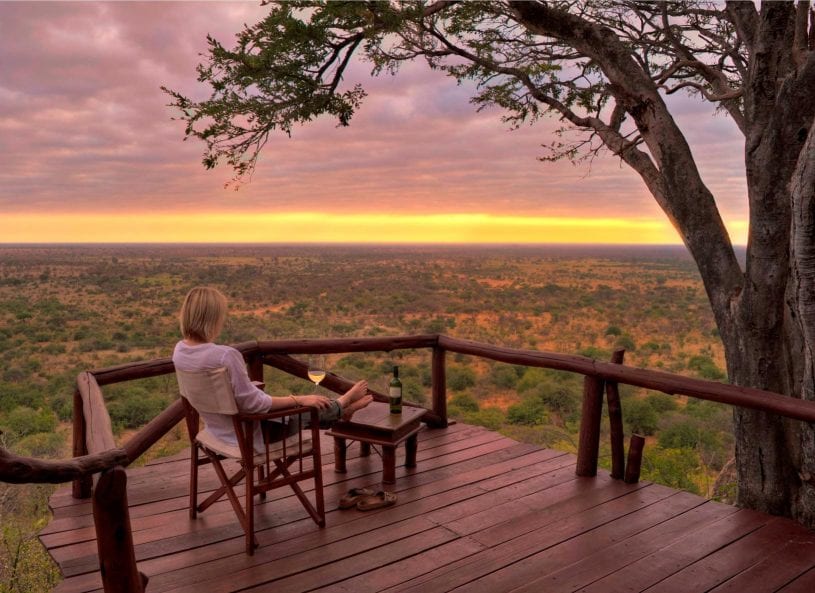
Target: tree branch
734, 94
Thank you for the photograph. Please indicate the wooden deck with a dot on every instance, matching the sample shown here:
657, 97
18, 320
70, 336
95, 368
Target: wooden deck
481, 512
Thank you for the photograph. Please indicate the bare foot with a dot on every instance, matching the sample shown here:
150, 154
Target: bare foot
358, 404
359, 389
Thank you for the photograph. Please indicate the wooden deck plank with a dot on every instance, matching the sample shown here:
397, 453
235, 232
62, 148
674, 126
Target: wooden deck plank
591, 567
226, 527
218, 522
78, 512
62, 501
802, 584
392, 575
480, 512
208, 482
781, 566
349, 523
556, 528
718, 567
660, 564
69, 529
175, 476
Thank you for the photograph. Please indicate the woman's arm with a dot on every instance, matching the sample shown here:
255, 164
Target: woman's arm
252, 400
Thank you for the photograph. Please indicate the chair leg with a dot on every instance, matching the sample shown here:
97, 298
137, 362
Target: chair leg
261, 474
317, 516
221, 490
230, 491
250, 512
318, 487
193, 481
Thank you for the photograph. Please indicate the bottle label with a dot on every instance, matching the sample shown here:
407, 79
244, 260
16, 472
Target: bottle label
395, 393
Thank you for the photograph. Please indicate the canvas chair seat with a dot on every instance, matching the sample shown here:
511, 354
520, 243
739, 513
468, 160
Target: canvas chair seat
279, 464
277, 450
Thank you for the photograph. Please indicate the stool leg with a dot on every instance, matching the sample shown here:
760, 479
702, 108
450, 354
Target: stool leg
340, 446
388, 465
364, 449
411, 445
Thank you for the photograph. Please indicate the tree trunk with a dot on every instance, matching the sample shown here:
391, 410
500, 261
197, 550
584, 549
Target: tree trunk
803, 298
772, 348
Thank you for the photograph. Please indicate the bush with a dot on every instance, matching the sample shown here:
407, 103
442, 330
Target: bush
460, 378
595, 353
491, 418
23, 421
44, 445
625, 342
504, 376
134, 412
463, 403
613, 330
561, 399
530, 411
414, 392
640, 417
662, 402
706, 368
672, 467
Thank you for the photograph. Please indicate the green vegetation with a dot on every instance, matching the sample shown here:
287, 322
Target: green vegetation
68, 309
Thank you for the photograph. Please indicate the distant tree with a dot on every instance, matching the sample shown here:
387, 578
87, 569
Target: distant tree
601, 67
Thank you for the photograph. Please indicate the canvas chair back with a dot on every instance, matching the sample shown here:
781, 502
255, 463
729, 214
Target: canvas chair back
209, 391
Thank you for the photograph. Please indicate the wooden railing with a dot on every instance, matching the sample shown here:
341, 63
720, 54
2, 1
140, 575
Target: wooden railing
95, 451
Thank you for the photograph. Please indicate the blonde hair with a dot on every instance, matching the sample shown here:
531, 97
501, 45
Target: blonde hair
202, 314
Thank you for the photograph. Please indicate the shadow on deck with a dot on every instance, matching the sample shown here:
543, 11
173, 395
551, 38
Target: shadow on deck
481, 512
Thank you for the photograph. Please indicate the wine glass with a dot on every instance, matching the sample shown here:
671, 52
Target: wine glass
316, 368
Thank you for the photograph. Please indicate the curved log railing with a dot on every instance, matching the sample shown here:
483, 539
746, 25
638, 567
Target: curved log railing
95, 451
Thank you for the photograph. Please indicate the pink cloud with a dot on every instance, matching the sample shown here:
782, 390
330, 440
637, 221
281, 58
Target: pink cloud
84, 127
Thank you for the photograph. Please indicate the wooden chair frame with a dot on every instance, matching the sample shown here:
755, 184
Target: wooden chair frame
272, 466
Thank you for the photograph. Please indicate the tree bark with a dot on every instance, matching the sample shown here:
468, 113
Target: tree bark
766, 349
803, 273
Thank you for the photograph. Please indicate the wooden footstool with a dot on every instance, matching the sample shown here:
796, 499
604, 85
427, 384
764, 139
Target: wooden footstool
375, 425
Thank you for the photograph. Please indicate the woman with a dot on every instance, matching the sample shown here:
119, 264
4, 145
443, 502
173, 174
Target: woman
202, 318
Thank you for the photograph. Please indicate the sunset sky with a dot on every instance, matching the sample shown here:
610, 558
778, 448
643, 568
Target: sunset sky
90, 154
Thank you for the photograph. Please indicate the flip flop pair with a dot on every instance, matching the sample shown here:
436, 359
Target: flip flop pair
353, 496
366, 499
377, 500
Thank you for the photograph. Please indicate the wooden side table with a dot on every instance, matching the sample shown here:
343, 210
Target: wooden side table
375, 425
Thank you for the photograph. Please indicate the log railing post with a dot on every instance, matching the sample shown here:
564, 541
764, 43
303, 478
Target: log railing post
588, 448
254, 366
81, 487
114, 538
615, 419
439, 381
632, 470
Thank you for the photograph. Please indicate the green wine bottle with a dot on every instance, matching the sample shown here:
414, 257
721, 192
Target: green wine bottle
395, 392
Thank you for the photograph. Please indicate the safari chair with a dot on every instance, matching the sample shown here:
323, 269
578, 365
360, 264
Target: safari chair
211, 391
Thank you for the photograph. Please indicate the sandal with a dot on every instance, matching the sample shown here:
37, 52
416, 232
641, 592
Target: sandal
353, 496
377, 501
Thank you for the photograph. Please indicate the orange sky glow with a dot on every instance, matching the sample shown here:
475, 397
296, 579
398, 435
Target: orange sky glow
320, 227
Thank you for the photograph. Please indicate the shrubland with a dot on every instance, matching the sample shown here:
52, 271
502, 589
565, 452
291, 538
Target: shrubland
72, 308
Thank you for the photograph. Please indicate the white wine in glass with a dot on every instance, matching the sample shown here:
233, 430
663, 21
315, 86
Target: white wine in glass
316, 369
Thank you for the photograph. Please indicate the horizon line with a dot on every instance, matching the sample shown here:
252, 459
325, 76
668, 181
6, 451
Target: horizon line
339, 243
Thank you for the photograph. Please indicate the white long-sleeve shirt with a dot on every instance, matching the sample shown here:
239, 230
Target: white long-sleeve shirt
248, 397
